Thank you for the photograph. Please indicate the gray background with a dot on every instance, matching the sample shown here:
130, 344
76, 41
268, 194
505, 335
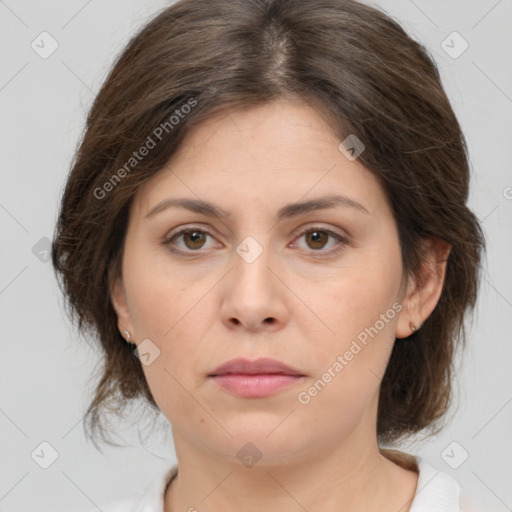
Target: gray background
46, 371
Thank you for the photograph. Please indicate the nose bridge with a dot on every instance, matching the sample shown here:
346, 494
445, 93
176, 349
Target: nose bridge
251, 296
252, 262
250, 250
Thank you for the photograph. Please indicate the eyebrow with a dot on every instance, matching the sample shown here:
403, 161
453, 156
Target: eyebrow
288, 211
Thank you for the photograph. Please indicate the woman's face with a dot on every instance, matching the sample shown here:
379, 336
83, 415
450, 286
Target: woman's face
317, 289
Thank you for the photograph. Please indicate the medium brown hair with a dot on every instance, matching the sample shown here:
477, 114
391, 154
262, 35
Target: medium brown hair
365, 75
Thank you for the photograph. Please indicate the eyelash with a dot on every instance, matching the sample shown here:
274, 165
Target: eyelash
332, 252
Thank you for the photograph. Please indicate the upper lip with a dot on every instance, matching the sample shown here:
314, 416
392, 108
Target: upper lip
259, 366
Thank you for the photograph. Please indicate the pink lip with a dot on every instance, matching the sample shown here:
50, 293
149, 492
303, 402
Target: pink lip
259, 378
257, 367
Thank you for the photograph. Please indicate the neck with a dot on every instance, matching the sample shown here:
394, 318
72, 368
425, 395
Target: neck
345, 478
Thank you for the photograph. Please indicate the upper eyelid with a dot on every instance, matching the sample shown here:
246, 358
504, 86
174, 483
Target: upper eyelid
342, 238
300, 230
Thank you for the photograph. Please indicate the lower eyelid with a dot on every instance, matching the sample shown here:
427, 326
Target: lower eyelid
168, 240
342, 240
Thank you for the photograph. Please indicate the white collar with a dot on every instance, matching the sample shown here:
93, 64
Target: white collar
436, 492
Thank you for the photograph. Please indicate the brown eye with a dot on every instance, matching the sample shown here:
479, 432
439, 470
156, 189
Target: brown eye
317, 239
191, 240
195, 237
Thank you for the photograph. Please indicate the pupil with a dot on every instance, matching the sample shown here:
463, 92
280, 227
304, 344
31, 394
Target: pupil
316, 236
194, 236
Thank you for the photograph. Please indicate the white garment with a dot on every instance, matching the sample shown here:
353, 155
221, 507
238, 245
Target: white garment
436, 492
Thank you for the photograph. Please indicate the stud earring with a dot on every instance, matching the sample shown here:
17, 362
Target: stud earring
412, 326
127, 336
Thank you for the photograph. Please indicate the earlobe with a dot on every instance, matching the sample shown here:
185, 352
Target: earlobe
424, 289
410, 312
120, 305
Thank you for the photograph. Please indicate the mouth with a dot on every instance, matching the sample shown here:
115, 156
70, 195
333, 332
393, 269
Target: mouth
255, 379
255, 386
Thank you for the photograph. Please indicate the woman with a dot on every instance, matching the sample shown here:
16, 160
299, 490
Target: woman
266, 226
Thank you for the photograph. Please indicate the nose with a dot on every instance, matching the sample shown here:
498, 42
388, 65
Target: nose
255, 297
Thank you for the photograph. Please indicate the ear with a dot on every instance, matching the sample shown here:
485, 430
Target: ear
120, 304
424, 289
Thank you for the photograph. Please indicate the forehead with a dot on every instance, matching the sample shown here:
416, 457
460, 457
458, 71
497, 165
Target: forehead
261, 158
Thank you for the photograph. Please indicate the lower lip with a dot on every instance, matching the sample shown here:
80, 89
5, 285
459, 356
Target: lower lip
255, 386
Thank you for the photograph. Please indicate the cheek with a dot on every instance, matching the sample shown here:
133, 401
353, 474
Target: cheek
361, 308
166, 315
158, 295
357, 295
351, 364
166, 307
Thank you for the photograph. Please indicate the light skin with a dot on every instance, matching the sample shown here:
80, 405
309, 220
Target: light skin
298, 302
